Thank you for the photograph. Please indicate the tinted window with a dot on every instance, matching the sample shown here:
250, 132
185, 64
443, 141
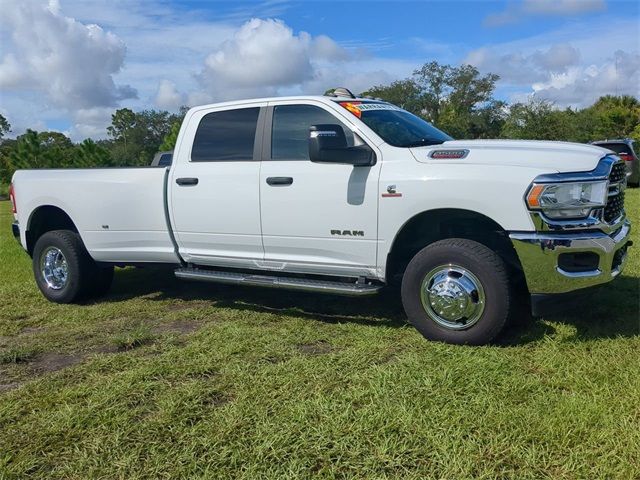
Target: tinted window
165, 160
227, 135
290, 132
403, 129
616, 147
395, 126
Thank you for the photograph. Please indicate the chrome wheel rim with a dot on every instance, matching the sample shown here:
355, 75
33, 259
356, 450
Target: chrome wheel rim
54, 269
452, 296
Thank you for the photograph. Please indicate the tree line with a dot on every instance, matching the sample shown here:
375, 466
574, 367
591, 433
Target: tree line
457, 99
460, 101
133, 139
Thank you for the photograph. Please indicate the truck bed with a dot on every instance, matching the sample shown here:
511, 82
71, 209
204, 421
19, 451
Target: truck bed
119, 212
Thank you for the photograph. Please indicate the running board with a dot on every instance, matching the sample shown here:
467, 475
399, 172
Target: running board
290, 283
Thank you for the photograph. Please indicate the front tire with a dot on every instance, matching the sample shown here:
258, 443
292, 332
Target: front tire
62, 266
457, 291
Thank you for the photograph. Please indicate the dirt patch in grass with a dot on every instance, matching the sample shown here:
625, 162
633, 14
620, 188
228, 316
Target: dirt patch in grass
5, 387
32, 330
52, 362
216, 399
107, 349
316, 348
386, 358
182, 327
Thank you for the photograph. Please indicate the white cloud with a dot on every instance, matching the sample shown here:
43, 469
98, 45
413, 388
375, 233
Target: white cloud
518, 11
168, 96
264, 56
90, 123
70, 73
516, 67
71, 63
557, 58
557, 74
583, 85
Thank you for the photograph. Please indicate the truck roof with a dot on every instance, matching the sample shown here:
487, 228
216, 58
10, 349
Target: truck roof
324, 98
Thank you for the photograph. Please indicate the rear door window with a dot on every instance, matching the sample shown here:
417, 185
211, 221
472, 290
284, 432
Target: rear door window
226, 136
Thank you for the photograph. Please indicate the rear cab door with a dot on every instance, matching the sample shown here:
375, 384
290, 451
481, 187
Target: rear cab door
214, 186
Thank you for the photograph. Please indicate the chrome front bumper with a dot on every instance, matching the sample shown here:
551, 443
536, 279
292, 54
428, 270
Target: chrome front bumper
539, 256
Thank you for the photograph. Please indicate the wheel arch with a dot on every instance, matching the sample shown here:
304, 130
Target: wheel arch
430, 226
46, 218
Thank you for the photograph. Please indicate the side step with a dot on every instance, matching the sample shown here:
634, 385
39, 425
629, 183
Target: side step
290, 283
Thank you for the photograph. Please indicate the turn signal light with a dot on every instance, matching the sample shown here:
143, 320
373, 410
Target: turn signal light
533, 199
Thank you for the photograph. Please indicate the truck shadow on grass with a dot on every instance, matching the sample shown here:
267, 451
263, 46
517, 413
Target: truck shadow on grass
609, 313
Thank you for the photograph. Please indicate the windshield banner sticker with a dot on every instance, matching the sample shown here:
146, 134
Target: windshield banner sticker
363, 107
357, 107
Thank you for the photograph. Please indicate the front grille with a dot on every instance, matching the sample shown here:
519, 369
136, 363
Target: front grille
615, 204
618, 172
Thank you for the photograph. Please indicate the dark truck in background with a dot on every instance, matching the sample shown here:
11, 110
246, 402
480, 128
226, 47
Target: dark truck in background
624, 149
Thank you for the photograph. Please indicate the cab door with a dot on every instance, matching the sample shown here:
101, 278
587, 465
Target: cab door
215, 202
316, 218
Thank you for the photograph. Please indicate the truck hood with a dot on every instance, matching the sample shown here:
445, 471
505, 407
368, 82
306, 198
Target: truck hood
555, 157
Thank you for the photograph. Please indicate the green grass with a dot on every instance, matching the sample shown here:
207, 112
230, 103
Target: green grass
163, 379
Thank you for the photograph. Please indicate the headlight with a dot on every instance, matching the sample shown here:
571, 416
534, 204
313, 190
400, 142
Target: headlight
567, 200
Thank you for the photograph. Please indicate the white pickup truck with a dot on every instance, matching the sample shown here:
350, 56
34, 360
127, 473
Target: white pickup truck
342, 195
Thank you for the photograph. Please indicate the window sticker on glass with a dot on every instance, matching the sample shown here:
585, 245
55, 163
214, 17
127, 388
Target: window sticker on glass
358, 107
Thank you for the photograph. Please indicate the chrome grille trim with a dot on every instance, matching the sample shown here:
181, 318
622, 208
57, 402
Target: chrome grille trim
614, 209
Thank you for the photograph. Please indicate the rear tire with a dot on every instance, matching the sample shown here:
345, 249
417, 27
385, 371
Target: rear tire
62, 267
457, 291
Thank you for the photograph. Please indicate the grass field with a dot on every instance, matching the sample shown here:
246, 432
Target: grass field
163, 379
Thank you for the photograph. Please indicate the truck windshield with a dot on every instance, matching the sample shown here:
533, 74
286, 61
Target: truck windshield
396, 126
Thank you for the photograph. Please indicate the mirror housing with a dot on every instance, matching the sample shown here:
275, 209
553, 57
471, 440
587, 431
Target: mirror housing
328, 144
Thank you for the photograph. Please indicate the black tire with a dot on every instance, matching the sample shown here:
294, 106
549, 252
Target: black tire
483, 264
80, 266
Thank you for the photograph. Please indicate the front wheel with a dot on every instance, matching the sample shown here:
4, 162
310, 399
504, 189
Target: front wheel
457, 291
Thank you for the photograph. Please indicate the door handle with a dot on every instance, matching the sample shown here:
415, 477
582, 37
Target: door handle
186, 181
279, 180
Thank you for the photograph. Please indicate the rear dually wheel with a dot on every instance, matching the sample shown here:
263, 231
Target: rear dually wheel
64, 270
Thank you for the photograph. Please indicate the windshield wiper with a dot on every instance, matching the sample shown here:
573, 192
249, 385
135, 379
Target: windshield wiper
423, 142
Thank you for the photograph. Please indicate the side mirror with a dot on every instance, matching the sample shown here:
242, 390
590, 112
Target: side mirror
328, 144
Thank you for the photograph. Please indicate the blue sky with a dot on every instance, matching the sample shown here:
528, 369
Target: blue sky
68, 64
